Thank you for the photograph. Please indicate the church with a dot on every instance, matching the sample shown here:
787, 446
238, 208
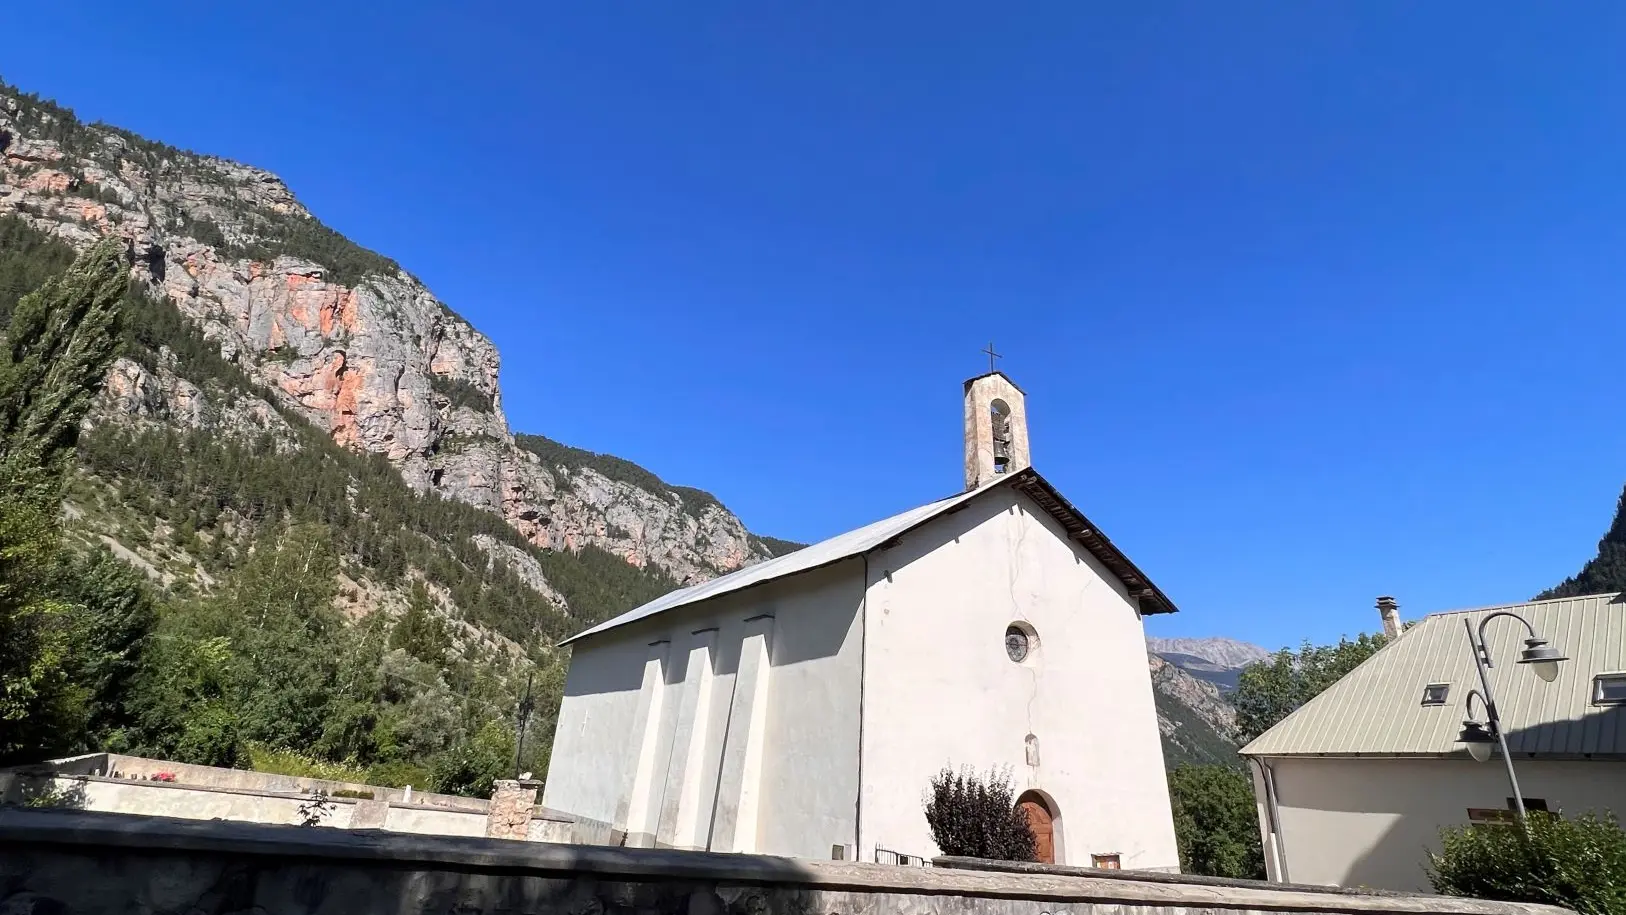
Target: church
801, 706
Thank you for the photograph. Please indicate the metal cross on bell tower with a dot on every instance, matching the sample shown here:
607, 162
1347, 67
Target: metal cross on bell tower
991, 357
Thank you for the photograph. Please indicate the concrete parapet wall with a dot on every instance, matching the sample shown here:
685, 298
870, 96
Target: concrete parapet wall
109, 782
78, 862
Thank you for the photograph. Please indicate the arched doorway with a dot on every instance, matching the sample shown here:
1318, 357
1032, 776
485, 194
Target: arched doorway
1041, 819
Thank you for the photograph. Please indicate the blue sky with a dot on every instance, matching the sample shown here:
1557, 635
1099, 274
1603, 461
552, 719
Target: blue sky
1312, 301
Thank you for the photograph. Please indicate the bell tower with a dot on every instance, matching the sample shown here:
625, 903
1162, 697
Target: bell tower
996, 428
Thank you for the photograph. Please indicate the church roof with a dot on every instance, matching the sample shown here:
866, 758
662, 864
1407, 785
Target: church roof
871, 536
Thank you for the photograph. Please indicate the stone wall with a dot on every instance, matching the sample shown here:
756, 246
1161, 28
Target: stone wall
79, 862
140, 769
134, 785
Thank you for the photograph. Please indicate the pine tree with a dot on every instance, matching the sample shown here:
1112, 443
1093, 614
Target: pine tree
52, 359
54, 356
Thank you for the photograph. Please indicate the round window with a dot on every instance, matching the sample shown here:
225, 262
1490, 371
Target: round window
1018, 642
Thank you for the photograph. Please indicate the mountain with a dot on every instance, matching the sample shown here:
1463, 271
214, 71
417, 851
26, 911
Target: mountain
284, 392
1190, 680
1193, 718
340, 336
1215, 660
1221, 652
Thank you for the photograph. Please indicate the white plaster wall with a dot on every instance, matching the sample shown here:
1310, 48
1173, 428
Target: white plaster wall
1367, 822
594, 744
808, 777
939, 689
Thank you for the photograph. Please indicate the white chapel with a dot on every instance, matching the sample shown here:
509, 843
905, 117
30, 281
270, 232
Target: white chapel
800, 706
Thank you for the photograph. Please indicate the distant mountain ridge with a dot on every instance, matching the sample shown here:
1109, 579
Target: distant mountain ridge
1219, 651
1216, 661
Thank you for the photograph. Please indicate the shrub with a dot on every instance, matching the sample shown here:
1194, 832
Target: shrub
975, 816
1577, 863
399, 774
279, 761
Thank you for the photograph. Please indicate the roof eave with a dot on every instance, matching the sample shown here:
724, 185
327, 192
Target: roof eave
1148, 596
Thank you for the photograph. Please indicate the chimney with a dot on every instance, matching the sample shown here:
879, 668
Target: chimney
1390, 611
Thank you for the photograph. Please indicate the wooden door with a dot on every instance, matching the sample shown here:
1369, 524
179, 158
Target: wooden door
1039, 820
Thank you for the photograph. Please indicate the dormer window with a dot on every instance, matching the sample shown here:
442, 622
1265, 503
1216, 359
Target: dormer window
1609, 689
1436, 693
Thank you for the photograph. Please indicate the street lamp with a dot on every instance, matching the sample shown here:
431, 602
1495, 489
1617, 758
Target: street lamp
1479, 740
1542, 658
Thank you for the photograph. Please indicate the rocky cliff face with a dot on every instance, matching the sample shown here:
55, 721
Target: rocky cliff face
1197, 724
342, 335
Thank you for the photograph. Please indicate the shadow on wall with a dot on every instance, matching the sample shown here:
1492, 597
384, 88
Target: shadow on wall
88, 862
1406, 844
1396, 861
42, 792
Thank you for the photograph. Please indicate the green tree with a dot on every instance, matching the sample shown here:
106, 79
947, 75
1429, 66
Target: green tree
421, 632
976, 816
114, 615
1271, 690
1605, 572
181, 700
1578, 863
1216, 822
53, 357
472, 767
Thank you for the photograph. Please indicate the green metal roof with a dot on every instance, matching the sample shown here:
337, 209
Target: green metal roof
1377, 709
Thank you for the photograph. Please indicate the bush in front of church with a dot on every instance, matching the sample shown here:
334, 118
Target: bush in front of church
975, 816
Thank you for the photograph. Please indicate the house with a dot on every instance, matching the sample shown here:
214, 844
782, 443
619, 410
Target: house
1355, 786
801, 706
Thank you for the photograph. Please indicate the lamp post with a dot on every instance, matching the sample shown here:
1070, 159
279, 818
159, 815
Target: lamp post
1543, 660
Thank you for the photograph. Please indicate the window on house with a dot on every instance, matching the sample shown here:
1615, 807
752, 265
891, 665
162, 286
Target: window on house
1609, 689
1504, 816
1108, 862
1435, 693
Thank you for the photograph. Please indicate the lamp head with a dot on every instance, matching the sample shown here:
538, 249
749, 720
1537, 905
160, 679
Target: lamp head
1542, 658
1478, 740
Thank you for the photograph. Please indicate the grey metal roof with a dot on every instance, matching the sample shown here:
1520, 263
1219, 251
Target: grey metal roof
871, 536
1377, 710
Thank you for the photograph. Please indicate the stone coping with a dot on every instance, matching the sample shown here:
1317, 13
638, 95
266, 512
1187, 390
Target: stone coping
269, 783
85, 830
952, 862
539, 813
252, 792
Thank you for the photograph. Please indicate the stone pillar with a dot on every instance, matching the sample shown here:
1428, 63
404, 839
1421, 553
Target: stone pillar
509, 815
